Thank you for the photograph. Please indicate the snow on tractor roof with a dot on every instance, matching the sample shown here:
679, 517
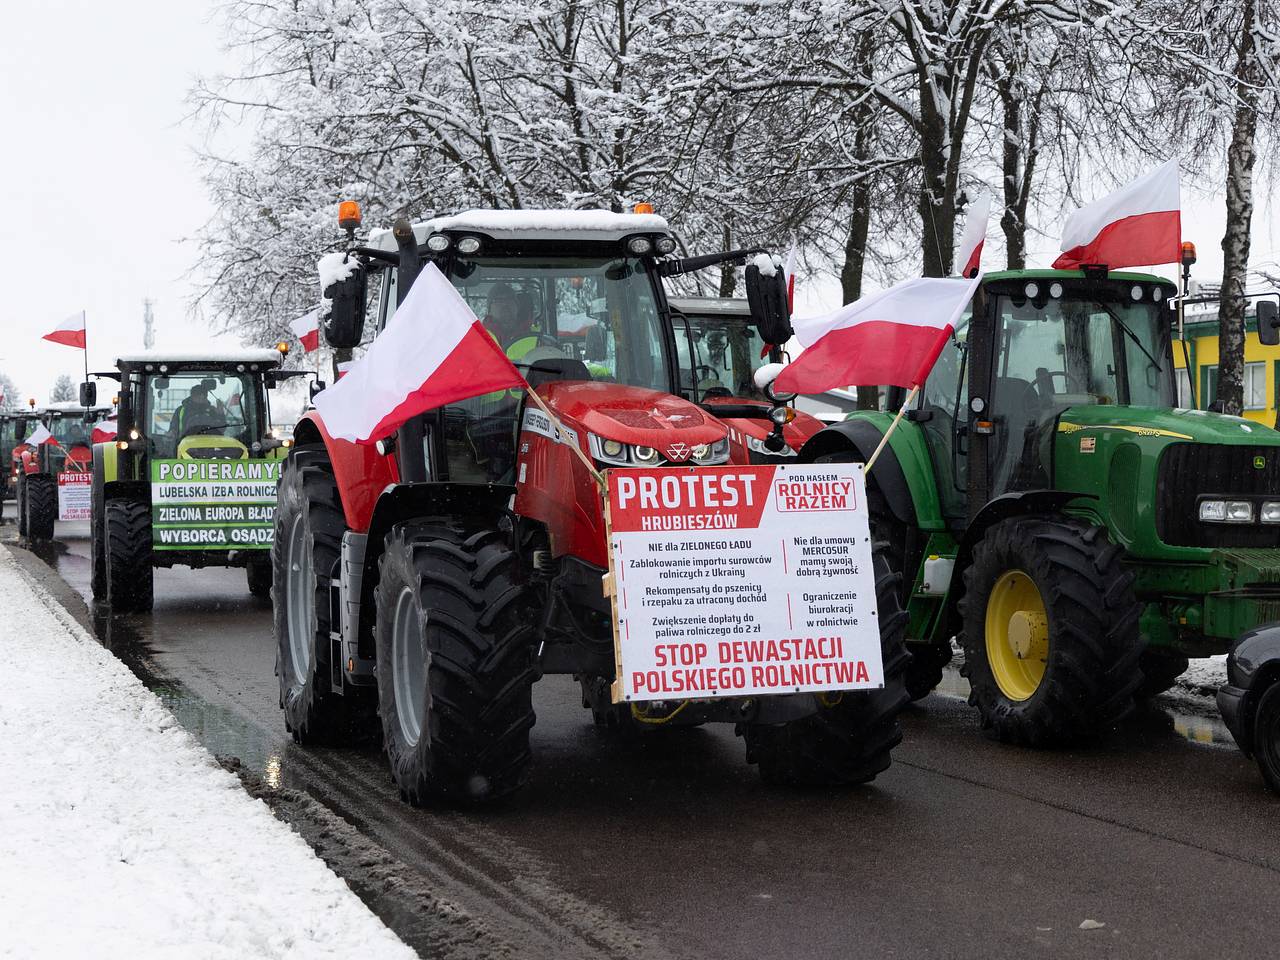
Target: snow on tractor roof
711, 306
242, 355
534, 225
72, 406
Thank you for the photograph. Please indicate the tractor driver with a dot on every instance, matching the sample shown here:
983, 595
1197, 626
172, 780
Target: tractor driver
195, 413
508, 324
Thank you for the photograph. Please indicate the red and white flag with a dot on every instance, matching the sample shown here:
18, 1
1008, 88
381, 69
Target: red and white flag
70, 332
105, 430
433, 352
39, 436
969, 254
307, 329
1138, 225
344, 366
891, 337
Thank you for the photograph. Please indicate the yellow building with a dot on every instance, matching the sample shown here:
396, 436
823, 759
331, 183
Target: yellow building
1261, 366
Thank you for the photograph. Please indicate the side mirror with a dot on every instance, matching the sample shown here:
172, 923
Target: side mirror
1268, 323
594, 348
344, 326
89, 393
767, 299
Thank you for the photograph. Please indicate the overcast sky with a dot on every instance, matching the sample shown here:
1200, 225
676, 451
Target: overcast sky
101, 187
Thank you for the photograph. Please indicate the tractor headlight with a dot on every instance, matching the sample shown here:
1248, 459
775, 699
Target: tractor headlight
710, 454
640, 246
665, 245
1226, 511
438, 242
1270, 512
134, 434
617, 453
757, 446
469, 245
613, 449
645, 455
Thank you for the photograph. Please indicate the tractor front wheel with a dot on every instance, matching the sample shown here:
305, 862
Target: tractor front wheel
128, 556
1050, 633
309, 524
455, 662
850, 738
42, 506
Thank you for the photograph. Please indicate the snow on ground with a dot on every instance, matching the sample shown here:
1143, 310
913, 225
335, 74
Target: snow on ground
120, 836
1205, 676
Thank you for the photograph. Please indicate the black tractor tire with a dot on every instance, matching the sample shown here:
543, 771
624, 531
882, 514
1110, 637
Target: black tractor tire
42, 506
1160, 671
851, 737
309, 506
21, 507
1091, 666
454, 592
924, 671
259, 575
129, 580
1266, 736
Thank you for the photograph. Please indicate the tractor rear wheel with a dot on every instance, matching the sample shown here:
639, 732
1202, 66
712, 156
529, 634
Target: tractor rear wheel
128, 556
259, 574
309, 524
928, 660
42, 506
1160, 671
1050, 633
849, 740
455, 662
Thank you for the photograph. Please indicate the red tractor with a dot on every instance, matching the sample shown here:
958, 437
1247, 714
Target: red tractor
429, 580
720, 349
37, 468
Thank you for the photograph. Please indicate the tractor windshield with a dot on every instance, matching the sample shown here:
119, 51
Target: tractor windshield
70, 430
718, 356
201, 413
1072, 350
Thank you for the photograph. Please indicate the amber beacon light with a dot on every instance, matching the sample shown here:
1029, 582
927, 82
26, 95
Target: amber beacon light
349, 215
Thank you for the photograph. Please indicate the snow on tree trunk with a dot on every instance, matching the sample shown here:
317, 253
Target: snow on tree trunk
1235, 241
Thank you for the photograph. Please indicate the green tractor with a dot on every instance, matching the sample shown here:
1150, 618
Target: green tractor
190, 478
1053, 507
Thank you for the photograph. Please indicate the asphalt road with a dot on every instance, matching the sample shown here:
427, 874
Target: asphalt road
673, 847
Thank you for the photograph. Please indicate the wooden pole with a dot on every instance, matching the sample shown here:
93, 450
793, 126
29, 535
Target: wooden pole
893, 426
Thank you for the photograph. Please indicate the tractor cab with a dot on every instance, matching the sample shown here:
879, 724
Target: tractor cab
719, 349
72, 427
1053, 342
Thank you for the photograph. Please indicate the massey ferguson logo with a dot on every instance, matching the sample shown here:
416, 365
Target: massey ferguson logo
678, 452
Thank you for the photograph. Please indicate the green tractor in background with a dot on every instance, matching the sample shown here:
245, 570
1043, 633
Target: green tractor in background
191, 477
1051, 506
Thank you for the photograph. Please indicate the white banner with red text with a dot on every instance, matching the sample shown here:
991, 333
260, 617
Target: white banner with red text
740, 581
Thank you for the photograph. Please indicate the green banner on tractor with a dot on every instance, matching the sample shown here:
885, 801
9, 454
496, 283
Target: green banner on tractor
213, 504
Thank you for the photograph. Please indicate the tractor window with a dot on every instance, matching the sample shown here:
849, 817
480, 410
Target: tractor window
1057, 353
557, 318
70, 430
726, 355
199, 410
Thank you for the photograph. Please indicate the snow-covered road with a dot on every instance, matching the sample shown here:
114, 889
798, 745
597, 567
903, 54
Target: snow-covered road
120, 836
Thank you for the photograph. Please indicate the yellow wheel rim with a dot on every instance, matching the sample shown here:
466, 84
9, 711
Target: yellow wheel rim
1017, 631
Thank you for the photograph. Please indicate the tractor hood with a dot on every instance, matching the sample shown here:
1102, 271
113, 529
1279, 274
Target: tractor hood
1197, 426
632, 415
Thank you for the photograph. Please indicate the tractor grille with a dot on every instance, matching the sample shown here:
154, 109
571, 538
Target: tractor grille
1189, 471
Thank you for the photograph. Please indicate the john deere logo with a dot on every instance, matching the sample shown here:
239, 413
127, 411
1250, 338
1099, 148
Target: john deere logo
1259, 463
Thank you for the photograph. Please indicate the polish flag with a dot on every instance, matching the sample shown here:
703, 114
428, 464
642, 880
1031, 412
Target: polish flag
1138, 225
891, 337
307, 329
70, 332
969, 256
39, 436
104, 430
433, 352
